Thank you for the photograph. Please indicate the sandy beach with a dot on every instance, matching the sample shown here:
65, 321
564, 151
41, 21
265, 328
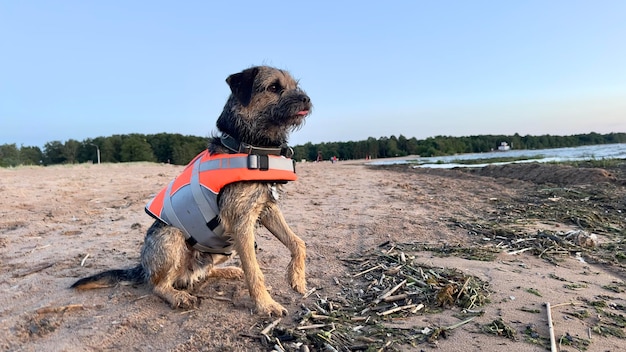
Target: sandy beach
60, 223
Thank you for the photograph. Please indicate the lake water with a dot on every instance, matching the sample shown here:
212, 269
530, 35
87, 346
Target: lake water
589, 152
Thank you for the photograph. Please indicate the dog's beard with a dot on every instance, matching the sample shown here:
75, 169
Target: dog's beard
290, 112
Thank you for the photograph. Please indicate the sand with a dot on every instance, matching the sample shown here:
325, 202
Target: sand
60, 223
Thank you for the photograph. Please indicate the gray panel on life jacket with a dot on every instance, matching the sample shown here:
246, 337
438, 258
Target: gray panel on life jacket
184, 213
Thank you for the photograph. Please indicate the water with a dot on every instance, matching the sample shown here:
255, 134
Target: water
589, 152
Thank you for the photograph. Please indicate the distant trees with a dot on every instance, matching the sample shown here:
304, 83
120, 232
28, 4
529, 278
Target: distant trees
392, 146
9, 155
163, 147
54, 153
179, 149
30, 155
176, 148
136, 148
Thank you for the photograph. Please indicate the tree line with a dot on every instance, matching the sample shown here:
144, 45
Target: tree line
179, 149
446, 145
162, 147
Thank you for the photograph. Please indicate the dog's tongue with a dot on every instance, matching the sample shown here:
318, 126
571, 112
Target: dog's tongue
302, 113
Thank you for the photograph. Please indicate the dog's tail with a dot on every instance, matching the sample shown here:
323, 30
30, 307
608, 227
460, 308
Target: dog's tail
112, 278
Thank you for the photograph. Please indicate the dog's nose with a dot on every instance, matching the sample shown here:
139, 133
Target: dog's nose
306, 99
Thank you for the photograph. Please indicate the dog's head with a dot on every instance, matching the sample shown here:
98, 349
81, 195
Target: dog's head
264, 106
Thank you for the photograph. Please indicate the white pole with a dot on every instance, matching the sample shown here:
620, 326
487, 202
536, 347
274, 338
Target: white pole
97, 152
553, 347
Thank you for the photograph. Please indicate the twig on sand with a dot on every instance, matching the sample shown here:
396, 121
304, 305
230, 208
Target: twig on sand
452, 327
215, 298
34, 270
61, 309
141, 297
39, 247
82, 262
268, 328
520, 251
390, 292
553, 347
397, 309
462, 288
309, 292
313, 326
366, 271
279, 346
567, 304
396, 297
385, 346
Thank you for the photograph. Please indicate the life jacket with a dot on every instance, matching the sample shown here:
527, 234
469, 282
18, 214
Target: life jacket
190, 201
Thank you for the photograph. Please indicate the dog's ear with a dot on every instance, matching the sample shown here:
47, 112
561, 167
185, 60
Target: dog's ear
241, 84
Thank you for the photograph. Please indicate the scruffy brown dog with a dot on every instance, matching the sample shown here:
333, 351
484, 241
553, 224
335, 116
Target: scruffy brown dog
264, 107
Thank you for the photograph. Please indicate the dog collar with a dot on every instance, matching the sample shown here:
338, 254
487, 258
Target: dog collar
241, 147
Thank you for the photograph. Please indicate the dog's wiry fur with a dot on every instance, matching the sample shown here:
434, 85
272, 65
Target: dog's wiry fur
265, 105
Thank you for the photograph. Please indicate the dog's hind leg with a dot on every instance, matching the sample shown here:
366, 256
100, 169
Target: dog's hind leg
275, 222
176, 298
166, 260
169, 271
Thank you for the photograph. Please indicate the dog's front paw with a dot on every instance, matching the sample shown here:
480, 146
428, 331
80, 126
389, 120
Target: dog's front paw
270, 308
296, 278
298, 283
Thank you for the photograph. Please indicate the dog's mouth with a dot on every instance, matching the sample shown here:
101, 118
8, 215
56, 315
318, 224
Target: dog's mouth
302, 113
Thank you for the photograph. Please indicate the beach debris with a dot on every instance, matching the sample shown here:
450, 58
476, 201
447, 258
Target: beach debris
533, 291
531, 335
82, 262
615, 286
576, 342
60, 309
45, 320
37, 268
388, 286
268, 328
583, 222
582, 238
499, 328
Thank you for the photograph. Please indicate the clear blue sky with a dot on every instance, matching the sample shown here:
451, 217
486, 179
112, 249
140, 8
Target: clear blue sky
83, 69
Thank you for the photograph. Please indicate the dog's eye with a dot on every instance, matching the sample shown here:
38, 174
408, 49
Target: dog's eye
274, 88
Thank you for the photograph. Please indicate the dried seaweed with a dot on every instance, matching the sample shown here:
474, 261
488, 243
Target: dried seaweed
576, 342
387, 285
499, 328
527, 223
532, 336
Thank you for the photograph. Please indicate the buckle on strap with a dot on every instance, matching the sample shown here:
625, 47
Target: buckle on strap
286, 151
264, 163
260, 162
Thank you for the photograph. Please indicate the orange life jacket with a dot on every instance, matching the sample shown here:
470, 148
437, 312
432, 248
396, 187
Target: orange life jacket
189, 202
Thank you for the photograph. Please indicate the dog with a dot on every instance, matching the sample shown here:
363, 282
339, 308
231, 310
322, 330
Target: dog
264, 106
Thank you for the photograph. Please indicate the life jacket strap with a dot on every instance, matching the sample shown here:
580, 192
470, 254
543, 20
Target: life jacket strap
264, 163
